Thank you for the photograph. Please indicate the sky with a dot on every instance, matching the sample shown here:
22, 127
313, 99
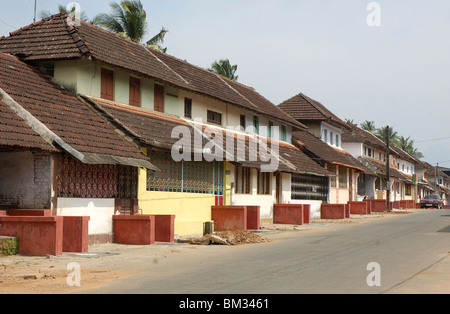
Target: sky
394, 73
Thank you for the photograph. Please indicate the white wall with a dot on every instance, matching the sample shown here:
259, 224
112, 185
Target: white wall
84, 77
253, 199
315, 207
100, 211
354, 149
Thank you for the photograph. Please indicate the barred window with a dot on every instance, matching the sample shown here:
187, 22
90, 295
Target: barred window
187, 177
305, 187
343, 175
332, 169
408, 190
264, 186
78, 180
242, 180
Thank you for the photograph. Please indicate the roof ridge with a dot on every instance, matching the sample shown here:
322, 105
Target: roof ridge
73, 32
167, 66
226, 83
310, 101
29, 26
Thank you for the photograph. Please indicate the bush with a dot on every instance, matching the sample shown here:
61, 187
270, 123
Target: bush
9, 246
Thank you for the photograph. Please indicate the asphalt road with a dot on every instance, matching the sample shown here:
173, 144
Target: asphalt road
412, 252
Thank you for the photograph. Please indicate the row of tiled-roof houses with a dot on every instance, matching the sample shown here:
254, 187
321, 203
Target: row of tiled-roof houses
93, 124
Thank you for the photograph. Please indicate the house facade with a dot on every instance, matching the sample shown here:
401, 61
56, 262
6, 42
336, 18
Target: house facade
205, 134
403, 168
57, 154
323, 141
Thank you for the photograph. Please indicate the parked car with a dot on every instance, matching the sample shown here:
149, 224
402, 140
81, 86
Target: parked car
432, 201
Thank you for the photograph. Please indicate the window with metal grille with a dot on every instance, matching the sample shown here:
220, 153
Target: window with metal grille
199, 177
78, 180
305, 187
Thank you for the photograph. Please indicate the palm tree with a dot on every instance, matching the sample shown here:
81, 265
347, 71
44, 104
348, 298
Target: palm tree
408, 146
368, 126
129, 19
62, 9
381, 134
223, 67
156, 41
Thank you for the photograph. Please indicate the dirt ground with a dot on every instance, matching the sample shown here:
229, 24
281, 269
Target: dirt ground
106, 262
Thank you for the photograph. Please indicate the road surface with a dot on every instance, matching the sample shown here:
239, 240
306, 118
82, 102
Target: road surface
406, 253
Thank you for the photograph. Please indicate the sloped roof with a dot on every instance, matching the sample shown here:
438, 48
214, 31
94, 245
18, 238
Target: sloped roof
305, 109
56, 38
327, 153
63, 114
405, 156
380, 169
357, 135
155, 129
16, 133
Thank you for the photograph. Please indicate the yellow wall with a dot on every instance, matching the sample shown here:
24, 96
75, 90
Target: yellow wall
190, 210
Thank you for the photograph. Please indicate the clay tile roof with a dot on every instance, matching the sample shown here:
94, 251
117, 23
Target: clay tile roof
16, 133
148, 127
325, 152
302, 163
63, 114
303, 108
357, 135
155, 129
55, 38
404, 155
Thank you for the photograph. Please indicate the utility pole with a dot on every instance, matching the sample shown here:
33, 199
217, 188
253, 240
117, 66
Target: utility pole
35, 9
388, 172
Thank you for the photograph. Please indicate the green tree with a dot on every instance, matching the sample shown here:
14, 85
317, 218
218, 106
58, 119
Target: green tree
393, 135
407, 144
129, 19
62, 9
368, 126
224, 68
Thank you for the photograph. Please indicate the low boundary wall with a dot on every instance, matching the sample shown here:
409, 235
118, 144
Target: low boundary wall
292, 214
335, 211
229, 218
359, 208
38, 236
143, 229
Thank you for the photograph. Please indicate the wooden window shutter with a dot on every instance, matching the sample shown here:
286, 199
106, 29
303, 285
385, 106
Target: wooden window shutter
107, 85
135, 92
159, 98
